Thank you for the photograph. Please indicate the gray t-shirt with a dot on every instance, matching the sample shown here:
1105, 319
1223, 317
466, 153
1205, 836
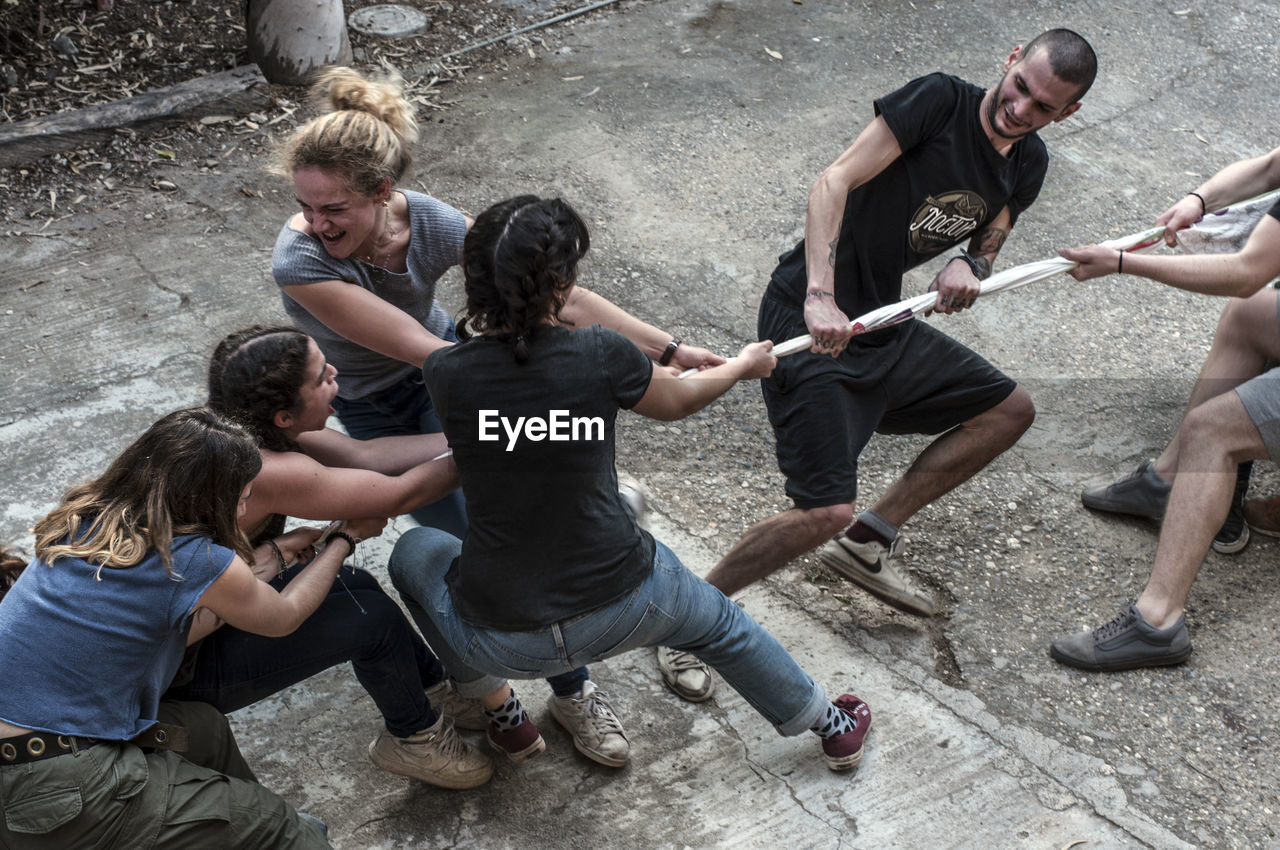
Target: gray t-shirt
435, 243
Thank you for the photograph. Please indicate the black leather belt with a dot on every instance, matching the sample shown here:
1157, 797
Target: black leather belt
36, 746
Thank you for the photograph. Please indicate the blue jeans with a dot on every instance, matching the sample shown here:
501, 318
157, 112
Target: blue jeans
404, 408
357, 622
672, 607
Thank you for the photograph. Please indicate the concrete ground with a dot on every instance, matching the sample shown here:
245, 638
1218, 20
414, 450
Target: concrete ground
689, 147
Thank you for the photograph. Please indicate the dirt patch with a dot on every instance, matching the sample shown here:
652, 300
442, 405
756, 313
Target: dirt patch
68, 55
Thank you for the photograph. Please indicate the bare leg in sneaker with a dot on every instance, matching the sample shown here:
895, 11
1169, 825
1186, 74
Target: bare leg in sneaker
950, 460
1215, 437
772, 543
1247, 338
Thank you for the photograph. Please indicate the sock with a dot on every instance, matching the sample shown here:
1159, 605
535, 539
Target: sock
871, 526
508, 716
834, 722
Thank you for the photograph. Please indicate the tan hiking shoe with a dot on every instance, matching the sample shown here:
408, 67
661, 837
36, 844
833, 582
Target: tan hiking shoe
435, 755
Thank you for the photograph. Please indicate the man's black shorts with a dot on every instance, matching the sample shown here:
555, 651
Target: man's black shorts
906, 379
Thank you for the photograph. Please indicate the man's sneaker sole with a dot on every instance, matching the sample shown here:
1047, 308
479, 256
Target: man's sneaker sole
1172, 660
1230, 547
866, 580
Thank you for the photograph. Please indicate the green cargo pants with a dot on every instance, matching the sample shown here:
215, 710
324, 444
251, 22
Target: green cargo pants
115, 796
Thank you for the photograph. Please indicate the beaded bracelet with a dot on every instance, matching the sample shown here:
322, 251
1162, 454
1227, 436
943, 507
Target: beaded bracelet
279, 554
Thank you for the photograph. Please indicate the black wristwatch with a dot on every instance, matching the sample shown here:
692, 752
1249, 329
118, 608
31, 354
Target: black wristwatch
669, 352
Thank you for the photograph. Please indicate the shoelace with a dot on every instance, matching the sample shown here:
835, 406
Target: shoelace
681, 660
599, 713
1114, 626
448, 741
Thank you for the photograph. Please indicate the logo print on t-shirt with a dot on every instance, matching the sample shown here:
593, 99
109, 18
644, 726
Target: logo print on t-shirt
943, 220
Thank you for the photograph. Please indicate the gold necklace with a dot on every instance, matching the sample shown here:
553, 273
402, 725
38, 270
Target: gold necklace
371, 258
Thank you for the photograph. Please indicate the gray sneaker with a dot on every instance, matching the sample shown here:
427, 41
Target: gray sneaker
597, 732
1140, 493
684, 674
464, 712
868, 566
1126, 642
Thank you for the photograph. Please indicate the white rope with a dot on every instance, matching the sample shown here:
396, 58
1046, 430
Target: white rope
892, 314
1229, 226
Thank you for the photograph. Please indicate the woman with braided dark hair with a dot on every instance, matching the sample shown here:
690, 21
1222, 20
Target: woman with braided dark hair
554, 570
357, 268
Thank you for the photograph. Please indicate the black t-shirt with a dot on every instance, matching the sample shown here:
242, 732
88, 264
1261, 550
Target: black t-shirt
949, 183
549, 537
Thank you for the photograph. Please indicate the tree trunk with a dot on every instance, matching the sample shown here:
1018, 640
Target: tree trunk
289, 39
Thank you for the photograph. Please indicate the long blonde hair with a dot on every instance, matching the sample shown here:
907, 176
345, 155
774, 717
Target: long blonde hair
364, 133
183, 476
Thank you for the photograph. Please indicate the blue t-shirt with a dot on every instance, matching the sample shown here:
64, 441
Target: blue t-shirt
88, 651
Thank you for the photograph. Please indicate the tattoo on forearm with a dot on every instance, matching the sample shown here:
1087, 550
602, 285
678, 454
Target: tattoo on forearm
831, 258
991, 240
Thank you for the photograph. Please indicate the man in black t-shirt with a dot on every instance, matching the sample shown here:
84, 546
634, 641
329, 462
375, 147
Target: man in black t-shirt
943, 161
1233, 417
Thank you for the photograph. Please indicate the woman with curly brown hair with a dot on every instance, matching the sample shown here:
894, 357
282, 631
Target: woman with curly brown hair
274, 380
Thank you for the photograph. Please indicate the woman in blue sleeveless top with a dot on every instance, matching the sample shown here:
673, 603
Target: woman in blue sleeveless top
94, 631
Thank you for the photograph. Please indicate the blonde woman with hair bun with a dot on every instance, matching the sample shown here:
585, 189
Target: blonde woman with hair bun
357, 268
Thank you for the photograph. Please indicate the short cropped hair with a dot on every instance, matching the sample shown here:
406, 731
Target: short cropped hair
1071, 58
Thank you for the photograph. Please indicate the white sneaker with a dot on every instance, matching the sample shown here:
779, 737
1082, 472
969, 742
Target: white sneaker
465, 713
436, 755
868, 566
685, 674
597, 732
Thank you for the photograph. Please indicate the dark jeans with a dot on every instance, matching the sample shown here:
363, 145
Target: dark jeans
357, 622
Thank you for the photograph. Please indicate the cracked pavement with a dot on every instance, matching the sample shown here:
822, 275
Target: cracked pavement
689, 150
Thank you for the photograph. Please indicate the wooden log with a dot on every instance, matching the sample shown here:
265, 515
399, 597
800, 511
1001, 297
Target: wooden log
239, 90
290, 39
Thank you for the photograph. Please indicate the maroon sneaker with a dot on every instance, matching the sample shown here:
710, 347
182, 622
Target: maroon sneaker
844, 751
521, 743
